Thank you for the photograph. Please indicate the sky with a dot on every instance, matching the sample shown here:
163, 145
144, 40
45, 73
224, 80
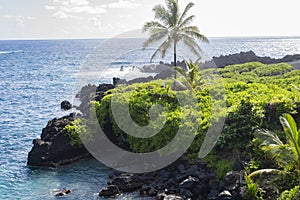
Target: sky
68, 19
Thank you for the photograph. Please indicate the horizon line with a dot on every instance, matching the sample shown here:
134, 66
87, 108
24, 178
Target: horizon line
106, 38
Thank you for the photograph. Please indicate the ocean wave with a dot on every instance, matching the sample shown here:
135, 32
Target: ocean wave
9, 52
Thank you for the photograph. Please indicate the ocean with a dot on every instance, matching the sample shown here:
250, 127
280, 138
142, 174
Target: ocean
35, 76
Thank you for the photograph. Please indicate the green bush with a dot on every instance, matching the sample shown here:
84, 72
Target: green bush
253, 191
273, 70
292, 194
76, 130
141, 98
247, 97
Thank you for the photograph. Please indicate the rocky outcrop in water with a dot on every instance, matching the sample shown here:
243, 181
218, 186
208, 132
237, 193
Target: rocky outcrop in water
54, 148
65, 105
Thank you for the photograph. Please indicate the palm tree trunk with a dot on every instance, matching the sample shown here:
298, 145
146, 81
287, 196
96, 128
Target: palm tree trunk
175, 58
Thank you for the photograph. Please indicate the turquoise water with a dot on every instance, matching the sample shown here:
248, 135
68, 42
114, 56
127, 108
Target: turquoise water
35, 76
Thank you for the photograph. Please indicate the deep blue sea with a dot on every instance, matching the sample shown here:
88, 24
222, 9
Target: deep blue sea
35, 76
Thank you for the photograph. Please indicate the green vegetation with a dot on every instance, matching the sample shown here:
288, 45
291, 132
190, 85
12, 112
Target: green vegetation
256, 98
191, 75
221, 166
286, 154
292, 194
253, 191
171, 27
76, 131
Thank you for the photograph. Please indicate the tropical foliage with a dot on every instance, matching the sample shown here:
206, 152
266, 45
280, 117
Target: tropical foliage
286, 154
191, 75
292, 194
253, 100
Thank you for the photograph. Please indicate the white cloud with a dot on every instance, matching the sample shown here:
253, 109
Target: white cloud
123, 4
84, 9
79, 2
67, 8
62, 15
49, 7
62, 2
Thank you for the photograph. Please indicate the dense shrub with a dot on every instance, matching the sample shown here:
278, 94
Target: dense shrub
292, 194
250, 102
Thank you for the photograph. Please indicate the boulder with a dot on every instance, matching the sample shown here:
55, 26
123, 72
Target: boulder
110, 191
225, 195
63, 192
127, 182
232, 180
65, 105
166, 73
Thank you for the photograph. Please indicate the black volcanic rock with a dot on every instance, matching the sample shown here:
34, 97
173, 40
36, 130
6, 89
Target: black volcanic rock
54, 148
91, 92
110, 191
243, 57
65, 105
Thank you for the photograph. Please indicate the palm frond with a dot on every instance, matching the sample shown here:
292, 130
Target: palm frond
193, 31
152, 26
268, 137
181, 71
187, 8
162, 49
279, 151
290, 127
161, 14
155, 38
186, 21
191, 44
265, 171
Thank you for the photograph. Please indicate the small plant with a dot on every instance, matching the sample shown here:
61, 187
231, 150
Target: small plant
286, 155
253, 191
220, 166
191, 75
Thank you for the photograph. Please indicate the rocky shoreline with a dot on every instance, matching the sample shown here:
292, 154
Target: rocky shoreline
181, 180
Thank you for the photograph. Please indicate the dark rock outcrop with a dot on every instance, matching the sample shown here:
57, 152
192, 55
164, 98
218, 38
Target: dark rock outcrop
63, 192
244, 57
65, 105
54, 148
110, 191
91, 92
127, 182
183, 180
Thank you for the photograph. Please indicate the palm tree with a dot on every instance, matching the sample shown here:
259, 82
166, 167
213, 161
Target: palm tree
287, 155
191, 75
171, 27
